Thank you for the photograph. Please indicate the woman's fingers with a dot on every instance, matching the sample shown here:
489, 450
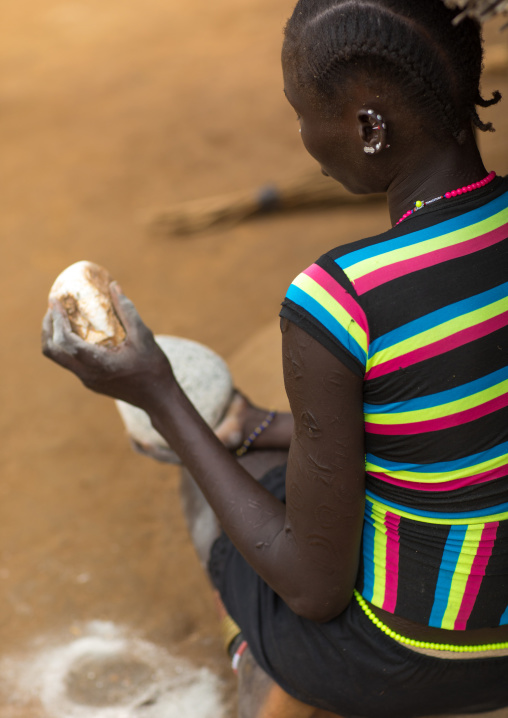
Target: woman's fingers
57, 337
59, 343
63, 336
128, 314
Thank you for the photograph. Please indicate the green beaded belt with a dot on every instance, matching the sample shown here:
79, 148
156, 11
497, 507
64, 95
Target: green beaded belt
423, 644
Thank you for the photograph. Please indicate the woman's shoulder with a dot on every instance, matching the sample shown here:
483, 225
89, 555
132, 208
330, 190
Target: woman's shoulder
373, 258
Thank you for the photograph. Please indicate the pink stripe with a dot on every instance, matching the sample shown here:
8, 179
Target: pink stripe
392, 561
478, 569
440, 347
481, 478
445, 422
399, 269
334, 289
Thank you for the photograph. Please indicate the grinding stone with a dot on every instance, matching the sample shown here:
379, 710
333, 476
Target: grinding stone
204, 377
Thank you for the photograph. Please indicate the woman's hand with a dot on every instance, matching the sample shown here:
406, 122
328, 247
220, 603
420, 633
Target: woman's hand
136, 371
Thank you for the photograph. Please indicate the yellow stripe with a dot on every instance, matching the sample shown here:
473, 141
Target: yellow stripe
442, 476
380, 541
442, 331
316, 291
470, 520
366, 266
441, 410
461, 575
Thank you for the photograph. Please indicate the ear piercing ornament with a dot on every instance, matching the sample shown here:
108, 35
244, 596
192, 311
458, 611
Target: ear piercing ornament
379, 125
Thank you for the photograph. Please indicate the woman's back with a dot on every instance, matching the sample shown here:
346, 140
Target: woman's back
422, 312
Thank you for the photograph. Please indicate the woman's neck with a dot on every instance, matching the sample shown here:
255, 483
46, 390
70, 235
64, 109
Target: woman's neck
433, 171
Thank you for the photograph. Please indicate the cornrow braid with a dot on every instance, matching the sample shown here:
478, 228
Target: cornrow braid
436, 64
352, 40
485, 126
496, 96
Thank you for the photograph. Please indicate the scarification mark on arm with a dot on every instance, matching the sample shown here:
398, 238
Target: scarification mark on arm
317, 471
326, 517
341, 451
311, 425
260, 517
295, 366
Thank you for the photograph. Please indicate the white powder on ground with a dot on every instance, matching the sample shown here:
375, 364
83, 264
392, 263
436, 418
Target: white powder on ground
107, 673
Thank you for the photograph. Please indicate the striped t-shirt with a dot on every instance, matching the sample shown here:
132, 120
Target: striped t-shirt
421, 313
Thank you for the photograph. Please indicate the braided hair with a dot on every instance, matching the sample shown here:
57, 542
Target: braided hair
435, 64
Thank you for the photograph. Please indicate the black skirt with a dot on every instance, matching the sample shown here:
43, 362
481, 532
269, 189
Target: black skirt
347, 665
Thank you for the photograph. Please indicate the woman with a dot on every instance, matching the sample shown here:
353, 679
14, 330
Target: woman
380, 587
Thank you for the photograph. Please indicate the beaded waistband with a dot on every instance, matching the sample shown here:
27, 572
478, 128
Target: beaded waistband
412, 643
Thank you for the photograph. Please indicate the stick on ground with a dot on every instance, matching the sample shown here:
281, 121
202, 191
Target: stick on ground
309, 190
482, 10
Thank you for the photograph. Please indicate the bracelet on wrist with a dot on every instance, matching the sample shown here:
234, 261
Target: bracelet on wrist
254, 435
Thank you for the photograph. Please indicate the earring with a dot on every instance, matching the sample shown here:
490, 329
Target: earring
378, 126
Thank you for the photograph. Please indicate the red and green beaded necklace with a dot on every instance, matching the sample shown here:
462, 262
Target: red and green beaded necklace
419, 204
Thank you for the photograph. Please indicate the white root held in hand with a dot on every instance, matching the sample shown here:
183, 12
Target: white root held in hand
83, 290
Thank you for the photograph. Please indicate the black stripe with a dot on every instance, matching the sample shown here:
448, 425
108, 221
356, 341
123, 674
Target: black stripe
492, 599
468, 498
454, 368
421, 549
451, 444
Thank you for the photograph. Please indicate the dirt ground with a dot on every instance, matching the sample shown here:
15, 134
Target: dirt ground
109, 112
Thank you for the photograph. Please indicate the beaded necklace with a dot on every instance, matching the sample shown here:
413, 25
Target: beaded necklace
423, 644
419, 204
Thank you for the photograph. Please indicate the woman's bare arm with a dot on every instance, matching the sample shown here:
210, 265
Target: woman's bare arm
325, 487
307, 551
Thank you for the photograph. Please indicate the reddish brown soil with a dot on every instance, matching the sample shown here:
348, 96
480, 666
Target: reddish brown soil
109, 111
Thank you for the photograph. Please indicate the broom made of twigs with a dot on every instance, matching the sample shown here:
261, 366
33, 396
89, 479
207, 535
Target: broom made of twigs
303, 192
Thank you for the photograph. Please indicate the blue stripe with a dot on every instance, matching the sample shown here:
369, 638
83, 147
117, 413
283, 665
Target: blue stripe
442, 397
319, 313
504, 618
368, 552
480, 513
440, 316
407, 240
442, 466
449, 560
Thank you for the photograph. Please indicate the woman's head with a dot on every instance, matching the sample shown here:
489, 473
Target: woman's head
411, 46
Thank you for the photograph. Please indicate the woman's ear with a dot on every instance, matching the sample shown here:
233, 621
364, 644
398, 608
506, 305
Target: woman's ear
373, 131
